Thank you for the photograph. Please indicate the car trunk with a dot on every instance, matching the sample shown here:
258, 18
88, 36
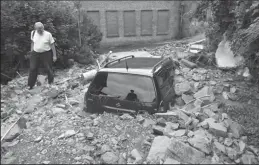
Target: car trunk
115, 92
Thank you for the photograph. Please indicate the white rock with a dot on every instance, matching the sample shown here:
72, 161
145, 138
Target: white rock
171, 161
158, 149
218, 129
185, 153
178, 133
67, 134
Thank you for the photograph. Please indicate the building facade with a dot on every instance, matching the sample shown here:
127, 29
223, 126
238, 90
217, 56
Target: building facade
124, 22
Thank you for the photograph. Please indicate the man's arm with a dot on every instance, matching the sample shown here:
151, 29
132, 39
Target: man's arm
32, 46
53, 51
52, 45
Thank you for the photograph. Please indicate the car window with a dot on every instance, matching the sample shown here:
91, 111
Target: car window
124, 86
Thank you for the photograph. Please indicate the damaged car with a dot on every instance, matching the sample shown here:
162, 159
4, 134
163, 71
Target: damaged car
132, 84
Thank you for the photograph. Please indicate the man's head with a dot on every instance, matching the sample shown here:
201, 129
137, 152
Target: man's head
132, 91
39, 27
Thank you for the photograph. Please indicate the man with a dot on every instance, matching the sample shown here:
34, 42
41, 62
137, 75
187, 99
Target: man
132, 96
42, 47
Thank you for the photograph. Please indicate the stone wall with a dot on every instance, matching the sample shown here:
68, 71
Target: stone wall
124, 22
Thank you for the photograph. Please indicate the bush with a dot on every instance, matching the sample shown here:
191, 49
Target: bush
59, 17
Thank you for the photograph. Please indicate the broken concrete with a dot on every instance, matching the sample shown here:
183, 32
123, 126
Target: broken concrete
158, 149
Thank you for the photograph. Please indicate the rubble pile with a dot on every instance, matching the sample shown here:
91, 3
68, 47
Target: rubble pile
54, 129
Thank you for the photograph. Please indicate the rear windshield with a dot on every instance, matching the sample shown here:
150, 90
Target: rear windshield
124, 86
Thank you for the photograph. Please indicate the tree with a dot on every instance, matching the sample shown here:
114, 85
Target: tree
59, 17
240, 21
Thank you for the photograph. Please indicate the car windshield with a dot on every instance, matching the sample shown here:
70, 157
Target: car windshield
124, 86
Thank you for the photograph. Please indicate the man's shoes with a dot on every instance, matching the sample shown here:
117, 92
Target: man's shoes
29, 88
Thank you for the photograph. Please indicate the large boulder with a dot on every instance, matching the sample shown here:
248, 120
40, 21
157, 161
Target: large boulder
185, 152
158, 149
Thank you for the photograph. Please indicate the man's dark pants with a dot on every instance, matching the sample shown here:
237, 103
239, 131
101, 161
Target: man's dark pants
35, 60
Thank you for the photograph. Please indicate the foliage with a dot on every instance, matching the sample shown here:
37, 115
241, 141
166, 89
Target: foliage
239, 20
58, 17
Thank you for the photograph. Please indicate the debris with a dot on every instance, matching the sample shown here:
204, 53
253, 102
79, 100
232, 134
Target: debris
171, 161
126, 117
188, 63
38, 139
67, 134
178, 133
110, 158
186, 153
158, 149
236, 129
136, 155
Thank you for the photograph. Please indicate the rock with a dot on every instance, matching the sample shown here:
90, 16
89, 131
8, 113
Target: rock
126, 117
253, 150
4, 115
179, 101
105, 148
200, 143
201, 116
224, 116
58, 110
78, 158
183, 87
248, 158
201, 140
122, 160
182, 115
242, 146
178, 133
233, 89
187, 98
148, 122
38, 139
225, 95
232, 96
140, 119
136, 155
46, 162
173, 126
205, 93
90, 136
218, 129
220, 147
22, 123
228, 142
161, 121
13, 133
158, 130
185, 153
158, 149
208, 112
61, 106
67, 134
215, 159
109, 158
73, 101
213, 82
171, 161
232, 154
188, 63
236, 129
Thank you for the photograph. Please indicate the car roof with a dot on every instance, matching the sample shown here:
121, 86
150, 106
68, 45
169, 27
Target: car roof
142, 72
136, 62
137, 65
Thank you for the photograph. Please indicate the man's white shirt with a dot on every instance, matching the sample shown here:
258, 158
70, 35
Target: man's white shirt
42, 43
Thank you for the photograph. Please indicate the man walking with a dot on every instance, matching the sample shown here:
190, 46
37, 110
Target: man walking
42, 47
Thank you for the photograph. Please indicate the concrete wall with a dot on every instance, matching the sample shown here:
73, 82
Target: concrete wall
124, 22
